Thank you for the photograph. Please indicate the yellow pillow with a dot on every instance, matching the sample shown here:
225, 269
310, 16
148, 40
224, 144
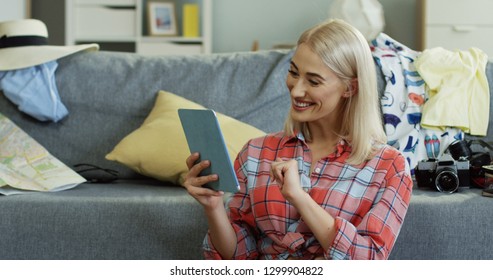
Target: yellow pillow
158, 148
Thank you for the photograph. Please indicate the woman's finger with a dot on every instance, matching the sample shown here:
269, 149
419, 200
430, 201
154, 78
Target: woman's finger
203, 192
202, 180
195, 170
192, 159
277, 170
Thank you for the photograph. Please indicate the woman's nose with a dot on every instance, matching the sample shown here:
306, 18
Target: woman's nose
297, 88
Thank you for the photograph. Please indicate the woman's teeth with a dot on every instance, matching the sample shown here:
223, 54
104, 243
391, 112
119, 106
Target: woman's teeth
301, 104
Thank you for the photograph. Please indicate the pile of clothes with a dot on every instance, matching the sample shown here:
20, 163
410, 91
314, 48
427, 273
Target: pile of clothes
431, 98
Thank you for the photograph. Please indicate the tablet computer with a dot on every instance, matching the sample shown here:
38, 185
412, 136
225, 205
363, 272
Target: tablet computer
204, 135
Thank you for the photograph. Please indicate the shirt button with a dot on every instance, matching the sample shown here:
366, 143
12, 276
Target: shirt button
317, 170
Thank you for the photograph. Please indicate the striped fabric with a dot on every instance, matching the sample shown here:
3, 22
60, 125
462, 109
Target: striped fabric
369, 202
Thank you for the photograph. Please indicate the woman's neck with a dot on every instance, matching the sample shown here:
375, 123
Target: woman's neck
321, 134
322, 142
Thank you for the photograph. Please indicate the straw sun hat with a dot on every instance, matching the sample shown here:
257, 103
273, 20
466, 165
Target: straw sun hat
24, 43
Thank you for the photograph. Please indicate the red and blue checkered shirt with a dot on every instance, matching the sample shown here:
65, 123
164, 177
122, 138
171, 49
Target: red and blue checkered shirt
368, 201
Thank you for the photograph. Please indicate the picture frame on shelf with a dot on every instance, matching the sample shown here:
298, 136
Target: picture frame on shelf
161, 18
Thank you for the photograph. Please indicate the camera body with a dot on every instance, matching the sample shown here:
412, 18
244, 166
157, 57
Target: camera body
444, 174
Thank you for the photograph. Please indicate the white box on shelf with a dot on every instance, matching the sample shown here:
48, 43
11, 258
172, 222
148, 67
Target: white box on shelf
456, 25
106, 2
104, 22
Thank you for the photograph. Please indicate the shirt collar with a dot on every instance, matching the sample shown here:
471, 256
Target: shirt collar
341, 147
297, 136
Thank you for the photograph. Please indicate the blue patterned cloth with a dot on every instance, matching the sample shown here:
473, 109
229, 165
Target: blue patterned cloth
402, 104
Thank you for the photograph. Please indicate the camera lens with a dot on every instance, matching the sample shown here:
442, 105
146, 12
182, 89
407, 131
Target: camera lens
447, 181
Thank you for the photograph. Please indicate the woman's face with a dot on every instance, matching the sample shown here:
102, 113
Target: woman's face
316, 91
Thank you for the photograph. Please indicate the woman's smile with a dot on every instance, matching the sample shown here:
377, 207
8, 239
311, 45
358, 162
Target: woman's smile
301, 105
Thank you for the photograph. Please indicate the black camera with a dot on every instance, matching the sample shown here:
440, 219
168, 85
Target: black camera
444, 174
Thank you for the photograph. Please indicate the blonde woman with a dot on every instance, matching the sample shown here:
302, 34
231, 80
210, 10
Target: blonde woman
328, 186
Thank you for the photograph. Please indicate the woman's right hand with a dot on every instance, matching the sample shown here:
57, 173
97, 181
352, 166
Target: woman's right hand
209, 199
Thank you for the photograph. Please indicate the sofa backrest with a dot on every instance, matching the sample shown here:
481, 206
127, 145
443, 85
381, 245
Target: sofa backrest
109, 94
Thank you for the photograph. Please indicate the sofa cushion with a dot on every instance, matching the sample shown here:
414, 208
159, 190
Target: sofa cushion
158, 148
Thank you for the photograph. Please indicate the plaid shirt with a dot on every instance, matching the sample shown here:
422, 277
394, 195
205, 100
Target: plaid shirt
369, 202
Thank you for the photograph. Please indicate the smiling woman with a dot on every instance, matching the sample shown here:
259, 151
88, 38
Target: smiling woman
327, 187
345, 60
317, 93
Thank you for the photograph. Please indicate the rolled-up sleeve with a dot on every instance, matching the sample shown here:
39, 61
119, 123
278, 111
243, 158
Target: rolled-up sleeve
375, 236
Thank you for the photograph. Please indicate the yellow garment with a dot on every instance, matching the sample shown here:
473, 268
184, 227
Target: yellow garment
458, 89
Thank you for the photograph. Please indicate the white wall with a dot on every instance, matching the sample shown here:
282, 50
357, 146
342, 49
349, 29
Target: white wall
12, 9
238, 23
401, 21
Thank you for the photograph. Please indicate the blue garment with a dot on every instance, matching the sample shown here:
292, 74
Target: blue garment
34, 91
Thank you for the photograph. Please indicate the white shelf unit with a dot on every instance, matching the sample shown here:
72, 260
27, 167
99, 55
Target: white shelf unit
125, 21
456, 24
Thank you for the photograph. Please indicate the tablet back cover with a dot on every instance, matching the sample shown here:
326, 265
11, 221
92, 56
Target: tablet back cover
204, 135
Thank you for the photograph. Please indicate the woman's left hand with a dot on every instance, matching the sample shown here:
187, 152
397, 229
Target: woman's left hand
317, 218
286, 175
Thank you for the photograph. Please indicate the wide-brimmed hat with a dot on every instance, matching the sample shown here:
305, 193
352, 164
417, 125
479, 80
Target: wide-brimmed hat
24, 43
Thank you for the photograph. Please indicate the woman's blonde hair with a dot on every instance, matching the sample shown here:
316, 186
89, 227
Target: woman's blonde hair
347, 53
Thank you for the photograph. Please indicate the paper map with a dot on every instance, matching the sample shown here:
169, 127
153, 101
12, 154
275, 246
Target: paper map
26, 166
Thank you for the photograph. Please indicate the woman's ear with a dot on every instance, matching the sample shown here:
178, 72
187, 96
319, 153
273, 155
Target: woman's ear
352, 88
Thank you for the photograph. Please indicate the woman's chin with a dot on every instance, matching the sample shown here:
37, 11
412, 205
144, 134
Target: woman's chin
299, 116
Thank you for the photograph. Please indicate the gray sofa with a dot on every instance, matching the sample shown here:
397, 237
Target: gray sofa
109, 94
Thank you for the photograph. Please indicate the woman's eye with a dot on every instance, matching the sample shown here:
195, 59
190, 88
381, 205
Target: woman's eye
293, 73
313, 82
